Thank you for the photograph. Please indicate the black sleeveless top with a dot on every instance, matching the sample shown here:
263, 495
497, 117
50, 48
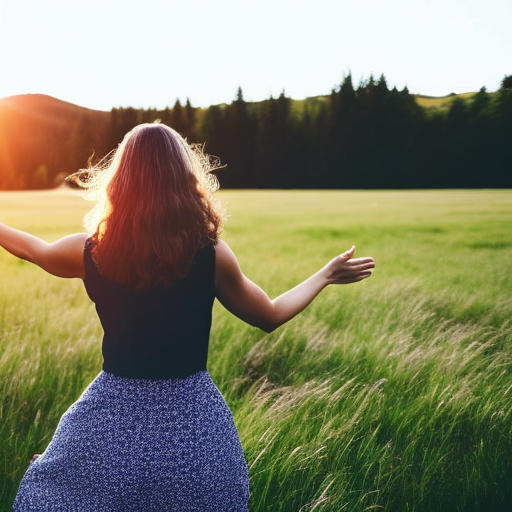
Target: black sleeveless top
156, 334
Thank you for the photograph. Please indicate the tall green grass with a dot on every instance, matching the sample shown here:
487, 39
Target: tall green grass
392, 394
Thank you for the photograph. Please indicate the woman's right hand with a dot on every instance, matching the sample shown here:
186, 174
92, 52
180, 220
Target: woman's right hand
345, 269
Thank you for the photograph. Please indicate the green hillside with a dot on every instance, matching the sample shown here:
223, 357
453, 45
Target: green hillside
440, 102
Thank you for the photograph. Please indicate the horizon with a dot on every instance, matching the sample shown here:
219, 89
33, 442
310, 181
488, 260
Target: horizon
183, 101
171, 104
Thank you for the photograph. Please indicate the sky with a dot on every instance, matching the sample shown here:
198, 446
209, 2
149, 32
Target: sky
148, 53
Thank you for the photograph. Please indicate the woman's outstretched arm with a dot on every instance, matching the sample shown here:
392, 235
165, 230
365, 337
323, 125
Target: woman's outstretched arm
63, 258
250, 303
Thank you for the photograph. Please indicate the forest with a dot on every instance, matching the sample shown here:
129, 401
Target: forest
367, 136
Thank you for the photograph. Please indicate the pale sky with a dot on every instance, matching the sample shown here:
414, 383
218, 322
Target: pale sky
148, 53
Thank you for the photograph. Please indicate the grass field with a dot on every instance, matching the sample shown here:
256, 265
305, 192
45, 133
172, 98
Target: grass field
392, 394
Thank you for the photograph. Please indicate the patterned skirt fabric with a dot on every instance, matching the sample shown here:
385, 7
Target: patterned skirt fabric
141, 445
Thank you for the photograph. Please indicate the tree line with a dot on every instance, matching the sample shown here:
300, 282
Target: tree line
364, 136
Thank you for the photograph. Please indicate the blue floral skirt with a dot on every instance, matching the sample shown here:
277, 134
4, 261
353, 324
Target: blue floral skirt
141, 445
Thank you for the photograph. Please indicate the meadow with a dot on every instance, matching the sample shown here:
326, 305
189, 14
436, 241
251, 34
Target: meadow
392, 394
442, 102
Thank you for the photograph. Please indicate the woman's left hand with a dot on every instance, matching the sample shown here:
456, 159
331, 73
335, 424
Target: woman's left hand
345, 269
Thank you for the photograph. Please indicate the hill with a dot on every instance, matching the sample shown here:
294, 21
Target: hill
43, 138
440, 102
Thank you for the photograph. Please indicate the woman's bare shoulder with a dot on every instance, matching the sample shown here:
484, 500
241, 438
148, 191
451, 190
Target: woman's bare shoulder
221, 247
79, 238
65, 257
75, 242
226, 264
224, 255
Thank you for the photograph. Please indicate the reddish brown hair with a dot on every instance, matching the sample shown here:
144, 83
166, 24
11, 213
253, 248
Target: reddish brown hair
155, 208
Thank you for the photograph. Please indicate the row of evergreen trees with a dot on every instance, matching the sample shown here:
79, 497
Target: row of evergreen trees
369, 136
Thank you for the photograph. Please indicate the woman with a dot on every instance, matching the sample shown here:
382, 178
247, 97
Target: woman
152, 432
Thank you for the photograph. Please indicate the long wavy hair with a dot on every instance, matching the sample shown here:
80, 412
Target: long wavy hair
155, 207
